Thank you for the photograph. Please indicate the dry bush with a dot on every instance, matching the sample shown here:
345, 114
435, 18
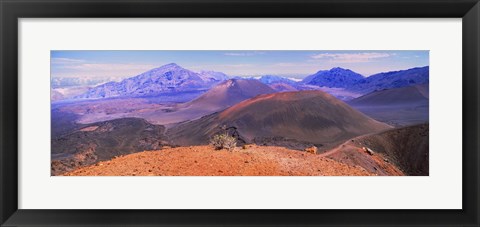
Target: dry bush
223, 141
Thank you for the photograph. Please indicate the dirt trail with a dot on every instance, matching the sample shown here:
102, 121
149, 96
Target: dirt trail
335, 150
354, 154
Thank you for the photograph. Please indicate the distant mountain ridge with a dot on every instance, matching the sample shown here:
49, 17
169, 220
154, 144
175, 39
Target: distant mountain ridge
62, 82
212, 76
271, 79
167, 78
393, 79
279, 83
352, 81
173, 78
335, 77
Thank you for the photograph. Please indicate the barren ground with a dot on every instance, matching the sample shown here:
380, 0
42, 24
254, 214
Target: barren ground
205, 161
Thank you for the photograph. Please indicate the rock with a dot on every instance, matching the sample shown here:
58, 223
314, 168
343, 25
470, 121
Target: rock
311, 150
368, 150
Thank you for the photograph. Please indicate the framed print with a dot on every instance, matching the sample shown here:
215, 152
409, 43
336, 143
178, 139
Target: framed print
239, 113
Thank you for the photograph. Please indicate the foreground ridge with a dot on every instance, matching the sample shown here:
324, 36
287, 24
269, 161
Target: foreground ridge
205, 161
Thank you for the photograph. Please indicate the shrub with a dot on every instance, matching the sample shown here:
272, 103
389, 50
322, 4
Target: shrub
223, 141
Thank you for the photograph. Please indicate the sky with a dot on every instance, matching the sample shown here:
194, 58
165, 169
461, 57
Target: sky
295, 64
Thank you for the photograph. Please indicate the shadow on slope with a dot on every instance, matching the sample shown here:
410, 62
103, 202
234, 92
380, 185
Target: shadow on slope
407, 148
304, 116
102, 141
397, 106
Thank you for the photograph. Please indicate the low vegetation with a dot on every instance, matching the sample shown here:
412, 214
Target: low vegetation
223, 141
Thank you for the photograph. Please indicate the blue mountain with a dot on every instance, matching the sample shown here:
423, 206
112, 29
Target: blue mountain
351, 81
335, 77
167, 78
394, 79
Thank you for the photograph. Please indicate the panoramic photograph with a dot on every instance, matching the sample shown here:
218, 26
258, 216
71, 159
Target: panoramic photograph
239, 112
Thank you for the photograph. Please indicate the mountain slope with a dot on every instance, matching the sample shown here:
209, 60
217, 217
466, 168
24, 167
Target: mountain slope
395, 79
167, 78
310, 116
228, 93
397, 106
212, 76
279, 83
99, 141
270, 79
356, 83
417, 94
55, 95
223, 95
280, 87
406, 148
335, 77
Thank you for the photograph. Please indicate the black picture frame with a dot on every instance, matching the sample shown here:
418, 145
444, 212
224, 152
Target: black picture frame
12, 10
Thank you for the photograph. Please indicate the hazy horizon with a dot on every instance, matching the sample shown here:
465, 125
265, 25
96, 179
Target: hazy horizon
117, 65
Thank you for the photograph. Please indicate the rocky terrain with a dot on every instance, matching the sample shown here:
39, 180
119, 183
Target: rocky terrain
205, 161
407, 148
91, 143
396, 152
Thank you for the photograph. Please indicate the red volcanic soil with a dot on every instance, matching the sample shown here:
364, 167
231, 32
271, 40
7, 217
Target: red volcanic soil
375, 163
310, 116
205, 161
396, 152
218, 98
228, 93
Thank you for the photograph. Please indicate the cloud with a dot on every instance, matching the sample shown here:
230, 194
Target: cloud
244, 54
108, 67
219, 67
351, 57
292, 64
294, 79
66, 61
100, 70
238, 65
